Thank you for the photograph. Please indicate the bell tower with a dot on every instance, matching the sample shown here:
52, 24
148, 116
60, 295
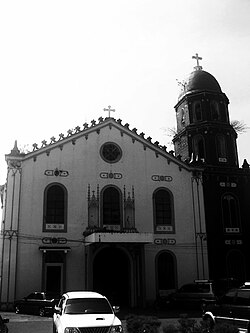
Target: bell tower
206, 139
204, 134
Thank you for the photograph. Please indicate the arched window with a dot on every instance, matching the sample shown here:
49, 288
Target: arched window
215, 110
166, 272
199, 148
230, 213
111, 207
55, 208
221, 148
197, 114
163, 210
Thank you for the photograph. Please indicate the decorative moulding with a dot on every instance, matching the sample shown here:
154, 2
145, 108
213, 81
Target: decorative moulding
56, 172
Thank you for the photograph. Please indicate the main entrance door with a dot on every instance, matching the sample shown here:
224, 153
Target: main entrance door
53, 275
111, 275
53, 271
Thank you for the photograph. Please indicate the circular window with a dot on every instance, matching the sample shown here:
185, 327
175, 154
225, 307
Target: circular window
111, 152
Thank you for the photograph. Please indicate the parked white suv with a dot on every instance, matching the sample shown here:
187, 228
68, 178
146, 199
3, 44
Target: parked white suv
85, 311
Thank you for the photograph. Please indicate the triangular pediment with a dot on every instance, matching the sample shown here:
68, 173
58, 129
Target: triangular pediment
96, 127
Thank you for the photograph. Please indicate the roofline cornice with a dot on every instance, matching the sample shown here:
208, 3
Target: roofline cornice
73, 135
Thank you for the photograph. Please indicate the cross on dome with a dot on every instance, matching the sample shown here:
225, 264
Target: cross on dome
196, 56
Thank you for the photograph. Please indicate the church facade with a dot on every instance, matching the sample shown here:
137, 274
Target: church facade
104, 208
101, 208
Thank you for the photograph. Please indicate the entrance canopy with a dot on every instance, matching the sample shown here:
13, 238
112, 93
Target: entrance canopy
45, 249
118, 237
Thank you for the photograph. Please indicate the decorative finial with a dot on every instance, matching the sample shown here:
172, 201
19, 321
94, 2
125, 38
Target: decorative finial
15, 151
197, 67
109, 110
245, 165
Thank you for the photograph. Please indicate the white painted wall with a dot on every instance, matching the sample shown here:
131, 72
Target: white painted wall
84, 164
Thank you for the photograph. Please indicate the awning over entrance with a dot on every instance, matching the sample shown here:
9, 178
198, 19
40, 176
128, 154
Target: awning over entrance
45, 249
118, 237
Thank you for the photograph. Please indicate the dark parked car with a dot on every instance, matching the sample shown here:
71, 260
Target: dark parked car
3, 326
38, 303
201, 292
232, 308
193, 294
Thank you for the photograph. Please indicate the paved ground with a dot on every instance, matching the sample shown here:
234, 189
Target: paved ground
21, 323
162, 314
27, 324
13, 317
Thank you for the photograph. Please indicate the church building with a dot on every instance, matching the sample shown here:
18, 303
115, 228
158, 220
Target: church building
104, 208
101, 208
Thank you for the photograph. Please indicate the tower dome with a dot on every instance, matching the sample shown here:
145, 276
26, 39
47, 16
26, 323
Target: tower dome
199, 81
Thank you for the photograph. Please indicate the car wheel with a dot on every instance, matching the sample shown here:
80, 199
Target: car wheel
41, 312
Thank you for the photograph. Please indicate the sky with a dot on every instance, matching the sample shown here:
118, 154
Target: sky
63, 62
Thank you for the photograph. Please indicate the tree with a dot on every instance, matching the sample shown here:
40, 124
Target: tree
239, 126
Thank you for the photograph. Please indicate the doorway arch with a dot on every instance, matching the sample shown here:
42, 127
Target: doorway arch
111, 275
166, 272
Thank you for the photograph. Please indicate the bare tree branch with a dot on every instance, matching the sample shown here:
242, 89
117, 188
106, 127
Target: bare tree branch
239, 126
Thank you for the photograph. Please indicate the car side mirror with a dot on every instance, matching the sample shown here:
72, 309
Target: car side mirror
116, 308
57, 310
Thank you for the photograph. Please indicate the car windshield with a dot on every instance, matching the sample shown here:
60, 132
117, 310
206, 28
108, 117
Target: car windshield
87, 305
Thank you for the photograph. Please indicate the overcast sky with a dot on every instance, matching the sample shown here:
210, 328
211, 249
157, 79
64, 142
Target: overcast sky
62, 62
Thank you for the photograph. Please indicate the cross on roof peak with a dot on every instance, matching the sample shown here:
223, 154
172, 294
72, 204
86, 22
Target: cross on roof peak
109, 110
197, 67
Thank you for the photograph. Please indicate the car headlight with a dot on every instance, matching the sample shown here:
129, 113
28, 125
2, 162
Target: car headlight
71, 330
116, 329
